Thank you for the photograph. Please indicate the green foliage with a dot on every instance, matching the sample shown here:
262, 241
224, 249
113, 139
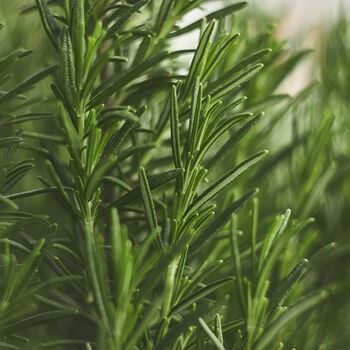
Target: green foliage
137, 217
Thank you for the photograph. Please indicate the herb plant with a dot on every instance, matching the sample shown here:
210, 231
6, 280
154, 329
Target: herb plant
137, 222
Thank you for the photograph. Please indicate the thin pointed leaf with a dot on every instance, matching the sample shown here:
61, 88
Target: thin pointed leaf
98, 173
63, 342
218, 328
36, 192
154, 182
120, 81
244, 63
210, 334
236, 256
27, 84
142, 50
291, 313
117, 138
199, 276
284, 69
134, 150
8, 201
148, 200
16, 173
50, 26
199, 294
179, 273
78, 38
227, 147
175, 131
280, 243
195, 115
199, 58
68, 76
225, 125
287, 286
36, 320
222, 52
277, 228
5, 141
120, 22
163, 14
208, 233
224, 181
51, 283
234, 85
26, 271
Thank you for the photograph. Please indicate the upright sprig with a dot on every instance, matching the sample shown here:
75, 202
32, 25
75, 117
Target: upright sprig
19, 272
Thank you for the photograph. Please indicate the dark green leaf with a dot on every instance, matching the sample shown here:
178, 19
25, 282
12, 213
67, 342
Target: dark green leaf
199, 294
235, 84
5, 141
164, 12
68, 76
36, 320
27, 84
292, 312
175, 132
120, 81
50, 26
78, 38
210, 334
223, 152
148, 200
208, 233
244, 63
224, 181
199, 59
287, 286
154, 182
119, 23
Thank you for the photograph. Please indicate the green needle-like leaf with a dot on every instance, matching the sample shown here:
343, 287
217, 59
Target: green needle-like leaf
78, 38
120, 81
50, 26
199, 58
36, 320
142, 50
27, 84
68, 76
8, 201
163, 14
154, 182
208, 233
211, 335
235, 84
287, 286
244, 63
292, 312
118, 24
223, 152
175, 131
148, 200
6, 141
224, 181
117, 138
199, 294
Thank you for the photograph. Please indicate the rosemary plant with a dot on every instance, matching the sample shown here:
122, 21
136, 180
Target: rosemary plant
141, 225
